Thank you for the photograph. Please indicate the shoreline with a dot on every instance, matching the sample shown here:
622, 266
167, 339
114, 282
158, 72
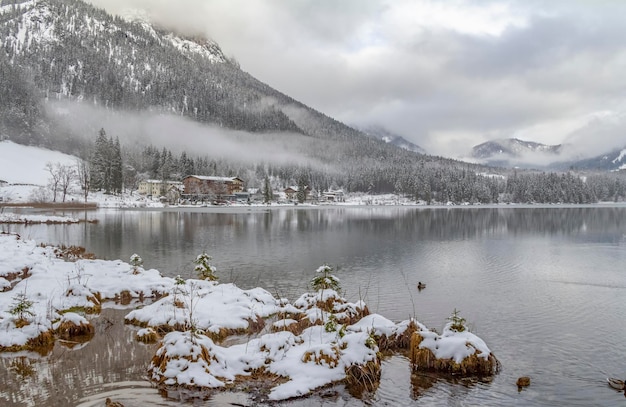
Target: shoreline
50, 205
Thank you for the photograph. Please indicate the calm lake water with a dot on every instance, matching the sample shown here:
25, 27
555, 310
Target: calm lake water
545, 287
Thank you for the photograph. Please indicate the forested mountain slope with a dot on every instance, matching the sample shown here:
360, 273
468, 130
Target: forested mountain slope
63, 62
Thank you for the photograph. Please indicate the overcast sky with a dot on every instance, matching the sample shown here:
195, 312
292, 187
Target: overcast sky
444, 74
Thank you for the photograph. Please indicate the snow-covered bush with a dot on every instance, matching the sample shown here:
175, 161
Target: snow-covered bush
136, 261
325, 280
205, 270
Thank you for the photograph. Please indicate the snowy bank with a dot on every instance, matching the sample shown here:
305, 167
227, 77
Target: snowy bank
294, 348
33, 219
39, 285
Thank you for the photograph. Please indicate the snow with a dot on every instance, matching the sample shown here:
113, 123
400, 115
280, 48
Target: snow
213, 307
318, 356
454, 345
23, 170
72, 317
298, 358
54, 285
620, 157
31, 218
21, 164
197, 49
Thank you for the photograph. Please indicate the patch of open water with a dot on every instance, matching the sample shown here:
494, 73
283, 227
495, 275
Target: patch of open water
544, 287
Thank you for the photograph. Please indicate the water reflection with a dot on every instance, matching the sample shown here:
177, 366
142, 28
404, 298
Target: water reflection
534, 282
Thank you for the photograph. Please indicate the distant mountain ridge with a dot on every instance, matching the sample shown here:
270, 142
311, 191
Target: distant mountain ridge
512, 147
67, 67
65, 64
514, 152
71, 50
612, 161
380, 133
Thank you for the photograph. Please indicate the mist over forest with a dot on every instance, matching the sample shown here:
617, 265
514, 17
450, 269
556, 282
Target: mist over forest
178, 106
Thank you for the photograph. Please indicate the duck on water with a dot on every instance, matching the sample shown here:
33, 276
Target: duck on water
617, 384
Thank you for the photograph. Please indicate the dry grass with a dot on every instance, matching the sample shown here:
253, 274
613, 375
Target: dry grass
257, 379
397, 342
150, 336
123, 298
94, 309
362, 379
69, 330
255, 325
72, 253
321, 356
161, 359
22, 274
294, 328
160, 329
42, 344
16, 277
21, 322
473, 365
353, 318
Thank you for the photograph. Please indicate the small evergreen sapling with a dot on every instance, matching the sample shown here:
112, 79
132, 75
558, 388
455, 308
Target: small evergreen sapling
458, 323
205, 270
21, 309
179, 289
136, 261
324, 280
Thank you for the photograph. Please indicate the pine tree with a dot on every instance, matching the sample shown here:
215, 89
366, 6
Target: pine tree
106, 164
99, 162
267, 190
117, 181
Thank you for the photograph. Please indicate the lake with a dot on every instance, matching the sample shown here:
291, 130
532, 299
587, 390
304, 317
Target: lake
544, 286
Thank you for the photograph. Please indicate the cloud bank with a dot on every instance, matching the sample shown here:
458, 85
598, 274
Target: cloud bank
178, 134
445, 75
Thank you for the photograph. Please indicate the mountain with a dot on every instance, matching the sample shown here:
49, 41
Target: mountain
71, 69
526, 154
512, 147
69, 50
516, 152
612, 161
178, 106
21, 164
387, 136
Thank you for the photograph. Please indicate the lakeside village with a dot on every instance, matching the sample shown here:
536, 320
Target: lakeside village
203, 190
53, 295
192, 191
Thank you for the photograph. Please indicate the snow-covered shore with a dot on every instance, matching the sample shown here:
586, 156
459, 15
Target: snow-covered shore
32, 219
319, 339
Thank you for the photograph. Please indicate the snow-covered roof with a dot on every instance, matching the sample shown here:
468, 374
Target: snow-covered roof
158, 181
213, 178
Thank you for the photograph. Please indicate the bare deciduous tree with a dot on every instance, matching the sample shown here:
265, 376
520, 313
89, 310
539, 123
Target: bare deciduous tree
66, 176
83, 174
54, 180
61, 178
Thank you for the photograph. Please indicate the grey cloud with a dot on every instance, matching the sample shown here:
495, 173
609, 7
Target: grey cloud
344, 59
179, 134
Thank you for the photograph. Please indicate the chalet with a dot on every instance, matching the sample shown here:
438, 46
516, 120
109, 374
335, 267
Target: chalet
157, 188
200, 187
333, 196
291, 192
174, 194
